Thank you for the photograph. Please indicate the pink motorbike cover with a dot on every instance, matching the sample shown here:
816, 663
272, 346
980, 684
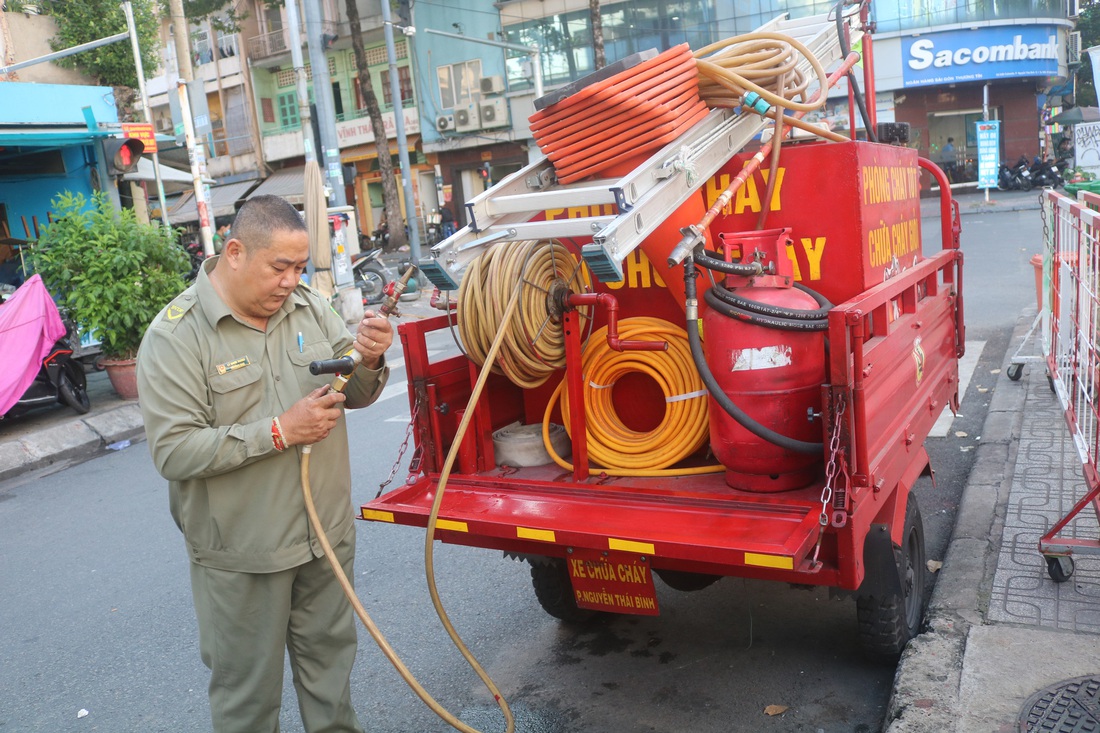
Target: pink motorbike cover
29, 327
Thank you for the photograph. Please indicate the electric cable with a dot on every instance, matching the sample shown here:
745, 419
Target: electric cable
349, 590
619, 449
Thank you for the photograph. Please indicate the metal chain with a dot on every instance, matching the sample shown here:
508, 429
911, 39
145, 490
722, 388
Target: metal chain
404, 447
830, 474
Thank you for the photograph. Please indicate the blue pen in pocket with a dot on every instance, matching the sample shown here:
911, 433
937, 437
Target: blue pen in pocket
301, 343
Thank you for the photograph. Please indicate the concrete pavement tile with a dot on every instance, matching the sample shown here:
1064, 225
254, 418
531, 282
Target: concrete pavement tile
1004, 665
14, 459
1001, 427
62, 441
124, 423
976, 522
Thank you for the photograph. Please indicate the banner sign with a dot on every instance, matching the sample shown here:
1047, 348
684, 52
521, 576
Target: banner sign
989, 152
992, 52
141, 131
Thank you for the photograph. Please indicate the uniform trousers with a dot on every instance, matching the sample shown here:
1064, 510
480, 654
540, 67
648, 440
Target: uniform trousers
248, 621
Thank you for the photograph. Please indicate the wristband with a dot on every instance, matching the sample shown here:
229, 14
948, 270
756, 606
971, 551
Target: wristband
277, 438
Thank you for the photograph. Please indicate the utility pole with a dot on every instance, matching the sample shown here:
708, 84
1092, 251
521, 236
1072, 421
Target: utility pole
329, 157
132, 27
300, 78
402, 141
195, 153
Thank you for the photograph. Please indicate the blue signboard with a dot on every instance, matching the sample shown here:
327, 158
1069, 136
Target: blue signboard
992, 52
989, 152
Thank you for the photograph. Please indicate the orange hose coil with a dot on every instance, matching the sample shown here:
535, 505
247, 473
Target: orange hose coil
621, 117
684, 428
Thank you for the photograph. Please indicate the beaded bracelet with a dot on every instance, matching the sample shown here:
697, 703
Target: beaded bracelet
277, 438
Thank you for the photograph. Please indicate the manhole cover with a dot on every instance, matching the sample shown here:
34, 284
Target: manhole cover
1071, 706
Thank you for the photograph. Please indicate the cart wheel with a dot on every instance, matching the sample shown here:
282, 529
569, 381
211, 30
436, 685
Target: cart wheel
554, 592
887, 624
1059, 567
1015, 371
1050, 383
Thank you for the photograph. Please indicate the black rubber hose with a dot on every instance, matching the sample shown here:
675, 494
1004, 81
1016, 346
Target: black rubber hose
715, 389
845, 49
715, 301
796, 314
730, 268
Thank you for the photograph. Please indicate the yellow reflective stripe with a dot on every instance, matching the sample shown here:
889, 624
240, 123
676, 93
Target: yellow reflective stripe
452, 525
526, 533
377, 516
769, 561
645, 548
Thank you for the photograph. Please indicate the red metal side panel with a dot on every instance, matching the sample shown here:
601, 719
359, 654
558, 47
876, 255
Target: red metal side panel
854, 209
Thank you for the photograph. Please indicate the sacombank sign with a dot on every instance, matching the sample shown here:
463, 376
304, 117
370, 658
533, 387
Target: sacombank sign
995, 52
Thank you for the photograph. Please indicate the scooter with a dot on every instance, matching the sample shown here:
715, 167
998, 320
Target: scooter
1045, 173
42, 372
196, 254
371, 275
1016, 177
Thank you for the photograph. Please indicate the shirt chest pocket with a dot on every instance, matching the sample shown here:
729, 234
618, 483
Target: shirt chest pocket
316, 351
238, 395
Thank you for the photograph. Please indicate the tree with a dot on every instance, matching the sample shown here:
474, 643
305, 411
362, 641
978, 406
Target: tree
1088, 24
390, 202
597, 33
83, 21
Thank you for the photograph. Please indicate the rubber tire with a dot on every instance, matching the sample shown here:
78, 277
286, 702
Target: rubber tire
686, 582
1060, 568
1015, 371
1025, 184
72, 388
371, 284
886, 625
554, 591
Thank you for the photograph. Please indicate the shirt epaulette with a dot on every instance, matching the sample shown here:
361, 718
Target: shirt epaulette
171, 316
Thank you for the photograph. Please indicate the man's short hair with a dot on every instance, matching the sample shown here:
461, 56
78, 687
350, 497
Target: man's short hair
262, 215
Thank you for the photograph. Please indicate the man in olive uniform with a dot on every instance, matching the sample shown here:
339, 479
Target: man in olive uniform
228, 400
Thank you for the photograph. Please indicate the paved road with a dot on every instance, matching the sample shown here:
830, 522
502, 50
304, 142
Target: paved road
97, 612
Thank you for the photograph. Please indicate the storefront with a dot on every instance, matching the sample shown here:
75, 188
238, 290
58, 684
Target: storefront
943, 83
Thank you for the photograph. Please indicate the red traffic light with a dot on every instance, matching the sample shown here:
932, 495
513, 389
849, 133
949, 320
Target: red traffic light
122, 154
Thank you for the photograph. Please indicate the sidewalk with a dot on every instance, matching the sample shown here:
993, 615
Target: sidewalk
1000, 631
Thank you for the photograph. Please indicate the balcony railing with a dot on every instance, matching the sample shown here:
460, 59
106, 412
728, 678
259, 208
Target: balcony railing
276, 42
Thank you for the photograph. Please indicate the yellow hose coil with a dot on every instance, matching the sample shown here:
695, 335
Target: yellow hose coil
683, 429
534, 343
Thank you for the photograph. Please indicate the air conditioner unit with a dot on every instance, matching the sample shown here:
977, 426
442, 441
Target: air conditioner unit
467, 118
1073, 48
492, 84
445, 123
494, 113
164, 124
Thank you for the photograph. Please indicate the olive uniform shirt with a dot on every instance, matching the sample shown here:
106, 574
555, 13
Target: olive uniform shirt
210, 386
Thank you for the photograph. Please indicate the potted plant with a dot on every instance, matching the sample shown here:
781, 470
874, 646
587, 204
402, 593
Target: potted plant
111, 273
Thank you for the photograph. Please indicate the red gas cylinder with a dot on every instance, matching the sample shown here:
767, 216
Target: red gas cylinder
775, 377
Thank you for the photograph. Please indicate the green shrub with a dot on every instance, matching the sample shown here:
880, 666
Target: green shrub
110, 272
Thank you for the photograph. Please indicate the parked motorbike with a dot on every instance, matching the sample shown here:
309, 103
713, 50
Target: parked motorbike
1015, 177
371, 275
433, 228
196, 254
38, 368
1046, 173
380, 237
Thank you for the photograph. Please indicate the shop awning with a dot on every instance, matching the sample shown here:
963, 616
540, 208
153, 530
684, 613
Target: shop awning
168, 174
288, 183
1076, 115
223, 202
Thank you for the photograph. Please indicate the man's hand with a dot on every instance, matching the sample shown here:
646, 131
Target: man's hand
312, 418
373, 337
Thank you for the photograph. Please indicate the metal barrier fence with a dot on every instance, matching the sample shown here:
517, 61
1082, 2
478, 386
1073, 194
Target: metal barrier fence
1071, 343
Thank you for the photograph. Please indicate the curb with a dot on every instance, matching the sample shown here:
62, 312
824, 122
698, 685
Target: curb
78, 439
926, 691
